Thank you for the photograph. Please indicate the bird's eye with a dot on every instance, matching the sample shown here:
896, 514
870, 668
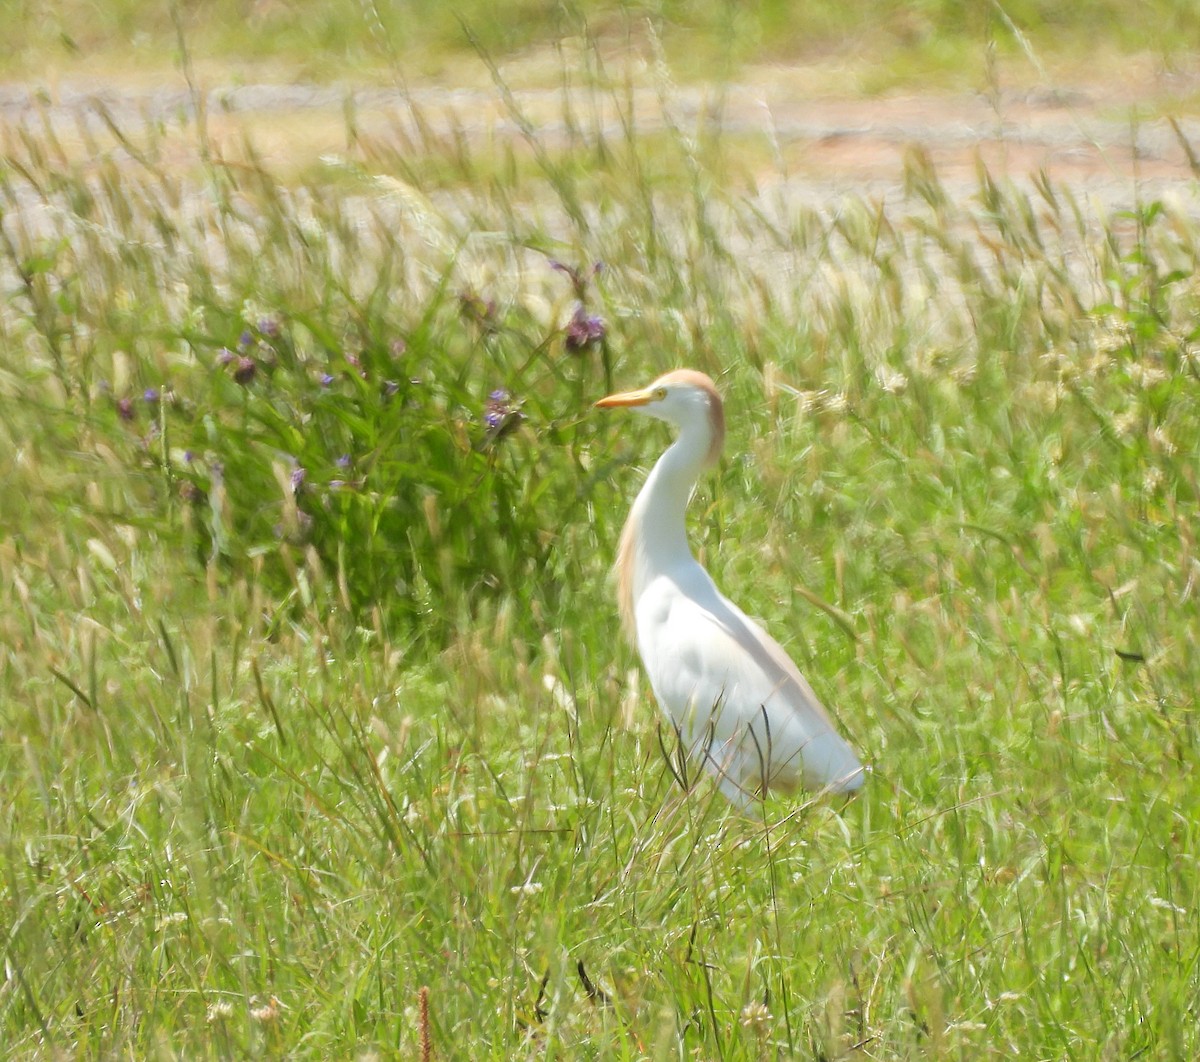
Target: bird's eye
660, 393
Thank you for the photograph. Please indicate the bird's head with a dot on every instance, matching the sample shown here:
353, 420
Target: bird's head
685, 399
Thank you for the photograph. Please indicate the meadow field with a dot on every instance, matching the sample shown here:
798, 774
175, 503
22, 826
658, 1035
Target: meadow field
318, 736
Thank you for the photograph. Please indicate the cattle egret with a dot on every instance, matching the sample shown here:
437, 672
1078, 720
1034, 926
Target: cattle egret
728, 688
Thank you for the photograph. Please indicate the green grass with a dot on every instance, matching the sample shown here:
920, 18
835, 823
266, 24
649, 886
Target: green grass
872, 44
272, 760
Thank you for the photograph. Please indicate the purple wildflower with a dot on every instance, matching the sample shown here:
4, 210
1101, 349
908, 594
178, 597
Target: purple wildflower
188, 457
298, 477
225, 356
499, 414
326, 379
497, 408
337, 484
343, 462
125, 409
245, 340
245, 370
268, 327
583, 330
150, 396
390, 387
398, 348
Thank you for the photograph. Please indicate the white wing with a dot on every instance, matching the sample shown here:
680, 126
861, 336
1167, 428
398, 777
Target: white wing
734, 694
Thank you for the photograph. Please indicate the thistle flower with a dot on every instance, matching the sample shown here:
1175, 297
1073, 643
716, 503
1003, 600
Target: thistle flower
245, 370
583, 330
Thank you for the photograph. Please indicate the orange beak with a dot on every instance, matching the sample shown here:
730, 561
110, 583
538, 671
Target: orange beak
626, 398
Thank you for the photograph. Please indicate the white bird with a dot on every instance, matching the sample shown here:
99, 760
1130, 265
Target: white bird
728, 688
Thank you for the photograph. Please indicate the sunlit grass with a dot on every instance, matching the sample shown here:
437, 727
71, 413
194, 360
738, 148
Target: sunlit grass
868, 47
281, 749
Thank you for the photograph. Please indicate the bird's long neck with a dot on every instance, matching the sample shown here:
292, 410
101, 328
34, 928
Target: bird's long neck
654, 539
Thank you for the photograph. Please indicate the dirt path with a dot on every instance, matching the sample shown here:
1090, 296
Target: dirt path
819, 146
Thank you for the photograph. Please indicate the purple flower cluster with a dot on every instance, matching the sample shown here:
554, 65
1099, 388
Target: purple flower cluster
245, 370
397, 348
500, 415
253, 351
498, 409
244, 367
127, 407
583, 330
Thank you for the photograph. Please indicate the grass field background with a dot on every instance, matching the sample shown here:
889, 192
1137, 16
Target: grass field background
863, 45
311, 688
